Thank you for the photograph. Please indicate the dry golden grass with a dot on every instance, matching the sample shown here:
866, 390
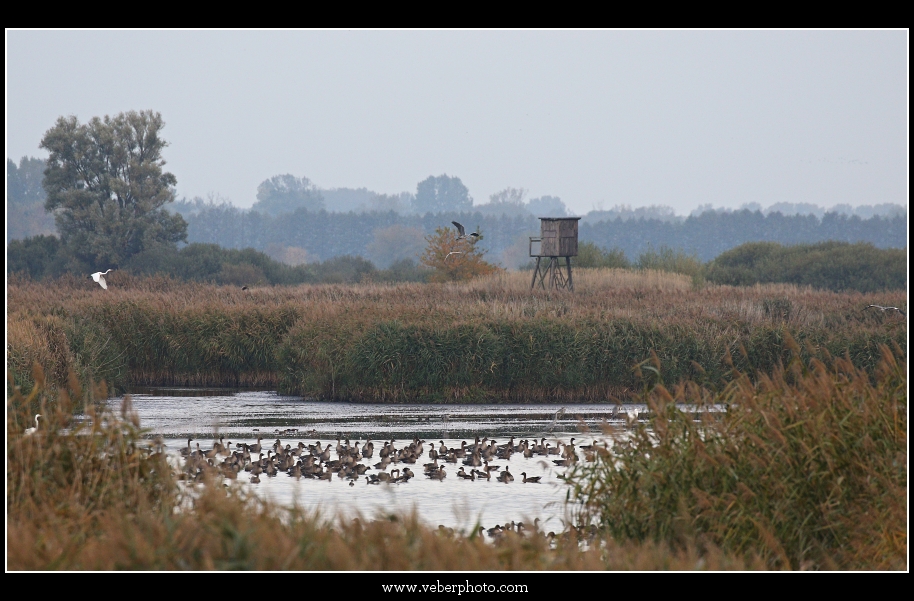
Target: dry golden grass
96, 496
161, 331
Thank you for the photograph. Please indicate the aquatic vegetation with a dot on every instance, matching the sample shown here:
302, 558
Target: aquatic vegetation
487, 340
807, 469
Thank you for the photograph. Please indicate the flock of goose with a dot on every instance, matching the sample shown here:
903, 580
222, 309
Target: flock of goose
351, 462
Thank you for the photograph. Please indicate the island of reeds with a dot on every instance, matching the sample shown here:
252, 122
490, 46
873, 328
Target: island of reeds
491, 339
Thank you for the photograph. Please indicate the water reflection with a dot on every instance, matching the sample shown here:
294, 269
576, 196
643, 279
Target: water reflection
236, 417
193, 412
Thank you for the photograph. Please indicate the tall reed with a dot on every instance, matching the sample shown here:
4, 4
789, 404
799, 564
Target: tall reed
492, 339
98, 495
806, 469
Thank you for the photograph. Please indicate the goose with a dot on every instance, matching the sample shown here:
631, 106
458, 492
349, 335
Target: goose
99, 277
532, 479
462, 235
884, 309
505, 476
30, 431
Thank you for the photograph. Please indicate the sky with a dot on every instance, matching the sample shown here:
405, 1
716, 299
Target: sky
598, 118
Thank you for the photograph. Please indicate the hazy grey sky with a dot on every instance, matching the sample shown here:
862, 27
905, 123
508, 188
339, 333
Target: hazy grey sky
597, 118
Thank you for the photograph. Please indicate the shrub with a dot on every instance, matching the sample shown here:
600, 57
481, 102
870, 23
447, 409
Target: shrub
830, 265
806, 468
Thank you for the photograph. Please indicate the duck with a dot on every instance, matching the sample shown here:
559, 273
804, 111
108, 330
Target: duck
532, 479
30, 431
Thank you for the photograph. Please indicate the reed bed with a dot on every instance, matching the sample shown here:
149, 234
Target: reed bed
95, 494
806, 470
488, 340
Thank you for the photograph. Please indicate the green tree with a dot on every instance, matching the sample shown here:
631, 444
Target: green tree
106, 186
25, 214
23, 183
591, 255
509, 201
286, 194
547, 206
441, 194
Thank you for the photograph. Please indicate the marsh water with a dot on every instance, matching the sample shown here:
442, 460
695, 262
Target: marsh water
206, 415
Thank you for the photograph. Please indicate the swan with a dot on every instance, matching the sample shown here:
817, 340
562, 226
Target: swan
30, 431
99, 276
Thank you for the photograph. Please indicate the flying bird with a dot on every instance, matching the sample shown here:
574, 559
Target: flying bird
462, 233
99, 277
884, 309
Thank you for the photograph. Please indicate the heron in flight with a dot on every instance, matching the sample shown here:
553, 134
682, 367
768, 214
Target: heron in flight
884, 309
99, 276
462, 233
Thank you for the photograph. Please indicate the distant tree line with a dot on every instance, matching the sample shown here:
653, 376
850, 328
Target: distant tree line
835, 266
295, 222
323, 234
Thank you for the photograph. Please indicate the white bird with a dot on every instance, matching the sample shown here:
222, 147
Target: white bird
462, 235
30, 431
884, 309
99, 277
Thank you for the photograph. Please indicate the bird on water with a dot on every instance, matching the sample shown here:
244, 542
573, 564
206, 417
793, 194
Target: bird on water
99, 277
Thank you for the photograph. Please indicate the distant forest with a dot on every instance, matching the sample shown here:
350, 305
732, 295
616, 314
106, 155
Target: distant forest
296, 223
386, 237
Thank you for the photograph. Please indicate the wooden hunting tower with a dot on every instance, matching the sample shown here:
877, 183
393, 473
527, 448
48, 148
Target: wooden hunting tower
558, 238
